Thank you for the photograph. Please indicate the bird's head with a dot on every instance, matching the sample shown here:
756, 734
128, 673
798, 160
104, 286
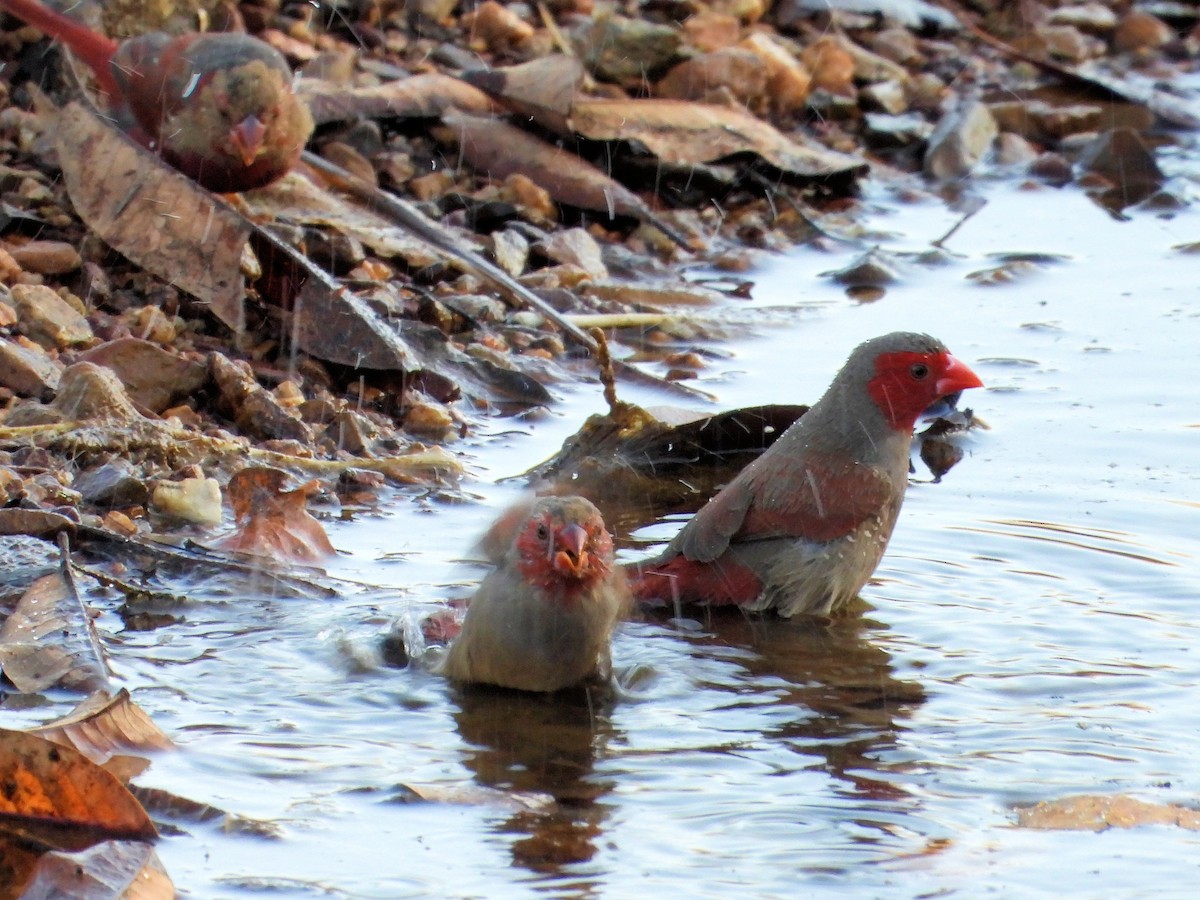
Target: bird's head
261, 115
910, 373
564, 544
238, 124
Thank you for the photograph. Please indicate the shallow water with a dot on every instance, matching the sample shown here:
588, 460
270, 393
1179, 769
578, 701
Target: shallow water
1030, 634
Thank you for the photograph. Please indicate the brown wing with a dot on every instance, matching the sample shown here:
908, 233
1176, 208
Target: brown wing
818, 498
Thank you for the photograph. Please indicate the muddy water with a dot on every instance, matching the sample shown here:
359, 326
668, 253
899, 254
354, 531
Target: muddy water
1031, 634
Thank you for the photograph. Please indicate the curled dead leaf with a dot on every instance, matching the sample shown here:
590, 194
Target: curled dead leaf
273, 520
110, 731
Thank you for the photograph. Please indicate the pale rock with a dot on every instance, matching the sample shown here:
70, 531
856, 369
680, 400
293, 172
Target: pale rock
961, 140
195, 500
576, 247
47, 318
28, 372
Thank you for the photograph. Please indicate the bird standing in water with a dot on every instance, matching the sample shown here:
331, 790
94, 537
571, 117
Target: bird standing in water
801, 529
544, 618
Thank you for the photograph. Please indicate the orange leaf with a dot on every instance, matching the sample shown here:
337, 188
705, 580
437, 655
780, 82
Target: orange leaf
57, 797
273, 521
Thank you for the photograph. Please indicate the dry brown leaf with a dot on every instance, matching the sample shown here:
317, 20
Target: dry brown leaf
1096, 812
683, 133
112, 870
41, 523
50, 641
58, 798
111, 732
543, 89
151, 214
499, 150
273, 521
327, 320
424, 96
296, 199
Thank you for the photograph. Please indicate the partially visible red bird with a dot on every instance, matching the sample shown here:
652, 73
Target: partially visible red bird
218, 107
801, 529
544, 618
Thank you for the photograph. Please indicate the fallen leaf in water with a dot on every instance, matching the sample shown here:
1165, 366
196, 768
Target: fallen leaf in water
1096, 812
629, 455
112, 732
180, 811
273, 520
120, 870
151, 214
50, 641
474, 795
58, 798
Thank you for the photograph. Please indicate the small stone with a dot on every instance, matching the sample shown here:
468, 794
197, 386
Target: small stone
1071, 44
427, 417
576, 247
624, 50
1094, 18
431, 186
47, 318
1014, 150
352, 432
112, 484
533, 199
28, 371
196, 500
885, 96
831, 65
510, 249
335, 251
47, 257
150, 323
1052, 168
788, 82
707, 30
1138, 31
711, 77
153, 377
897, 44
117, 521
86, 393
959, 143
497, 27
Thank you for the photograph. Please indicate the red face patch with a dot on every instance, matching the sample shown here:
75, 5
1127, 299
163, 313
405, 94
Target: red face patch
907, 383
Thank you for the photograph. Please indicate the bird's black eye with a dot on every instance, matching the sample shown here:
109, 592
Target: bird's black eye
919, 371
543, 532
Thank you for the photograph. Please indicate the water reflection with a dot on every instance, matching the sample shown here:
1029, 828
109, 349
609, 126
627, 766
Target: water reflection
850, 703
548, 744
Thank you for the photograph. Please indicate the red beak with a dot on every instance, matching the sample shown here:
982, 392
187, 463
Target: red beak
569, 555
247, 138
955, 377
